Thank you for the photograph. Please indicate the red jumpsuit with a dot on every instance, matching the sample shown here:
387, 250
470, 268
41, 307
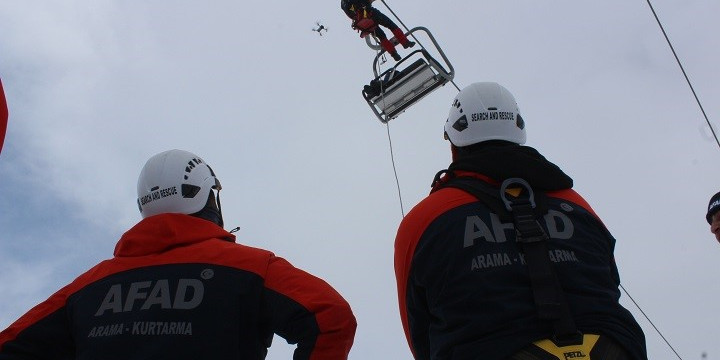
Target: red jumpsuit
361, 10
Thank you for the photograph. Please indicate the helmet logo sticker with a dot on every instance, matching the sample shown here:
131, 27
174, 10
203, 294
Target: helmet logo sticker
520, 122
461, 124
713, 205
493, 115
156, 195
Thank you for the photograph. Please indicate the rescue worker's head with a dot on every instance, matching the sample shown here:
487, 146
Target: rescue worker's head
713, 215
484, 112
177, 181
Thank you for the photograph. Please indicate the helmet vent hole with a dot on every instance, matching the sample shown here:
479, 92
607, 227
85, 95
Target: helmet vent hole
492, 108
189, 191
154, 188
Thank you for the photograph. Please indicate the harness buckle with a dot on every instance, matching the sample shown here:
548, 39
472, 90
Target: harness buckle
576, 338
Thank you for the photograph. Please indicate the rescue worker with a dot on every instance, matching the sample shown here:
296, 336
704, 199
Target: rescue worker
713, 215
179, 287
367, 18
490, 275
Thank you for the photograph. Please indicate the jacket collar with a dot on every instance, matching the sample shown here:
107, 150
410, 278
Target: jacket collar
495, 164
159, 233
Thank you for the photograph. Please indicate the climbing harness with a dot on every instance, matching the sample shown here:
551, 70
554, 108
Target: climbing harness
516, 200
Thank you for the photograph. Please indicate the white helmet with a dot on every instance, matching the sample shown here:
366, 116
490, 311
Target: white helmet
174, 181
484, 111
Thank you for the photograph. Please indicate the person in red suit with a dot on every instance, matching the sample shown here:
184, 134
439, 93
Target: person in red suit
366, 20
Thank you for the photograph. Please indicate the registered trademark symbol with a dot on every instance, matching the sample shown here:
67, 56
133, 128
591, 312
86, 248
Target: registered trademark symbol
207, 274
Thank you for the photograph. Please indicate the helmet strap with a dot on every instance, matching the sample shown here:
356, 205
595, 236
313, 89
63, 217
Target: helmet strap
211, 211
219, 208
454, 152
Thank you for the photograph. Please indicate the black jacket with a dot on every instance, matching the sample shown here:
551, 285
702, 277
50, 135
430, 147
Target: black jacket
463, 287
177, 289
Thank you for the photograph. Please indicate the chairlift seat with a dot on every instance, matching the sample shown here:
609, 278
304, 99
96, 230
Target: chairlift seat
404, 89
393, 91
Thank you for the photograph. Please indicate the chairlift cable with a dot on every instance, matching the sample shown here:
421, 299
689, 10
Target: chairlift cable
397, 181
662, 28
692, 89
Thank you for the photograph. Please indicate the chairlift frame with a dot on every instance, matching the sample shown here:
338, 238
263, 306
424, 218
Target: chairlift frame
423, 77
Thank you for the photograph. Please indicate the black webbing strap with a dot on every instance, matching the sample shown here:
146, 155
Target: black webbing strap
522, 209
548, 293
487, 194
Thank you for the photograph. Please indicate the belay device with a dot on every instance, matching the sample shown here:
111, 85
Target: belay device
394, 90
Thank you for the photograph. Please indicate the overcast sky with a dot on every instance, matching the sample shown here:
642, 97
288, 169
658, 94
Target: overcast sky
95, 87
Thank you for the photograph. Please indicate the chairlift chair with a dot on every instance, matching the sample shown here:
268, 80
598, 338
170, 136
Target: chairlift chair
402, 86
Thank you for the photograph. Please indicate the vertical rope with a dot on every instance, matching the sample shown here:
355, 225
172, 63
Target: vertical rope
397, 181
392, 154
687, 79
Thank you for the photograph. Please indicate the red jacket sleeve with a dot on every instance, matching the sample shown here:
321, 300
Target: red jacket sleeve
41, 332
408, 235
319, 304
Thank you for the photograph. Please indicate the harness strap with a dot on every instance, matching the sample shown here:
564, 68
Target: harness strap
532, 239
483, 192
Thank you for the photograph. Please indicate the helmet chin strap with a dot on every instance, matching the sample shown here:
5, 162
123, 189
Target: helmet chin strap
220, 221
212, 210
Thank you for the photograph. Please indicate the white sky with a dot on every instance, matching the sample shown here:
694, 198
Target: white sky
95, 87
